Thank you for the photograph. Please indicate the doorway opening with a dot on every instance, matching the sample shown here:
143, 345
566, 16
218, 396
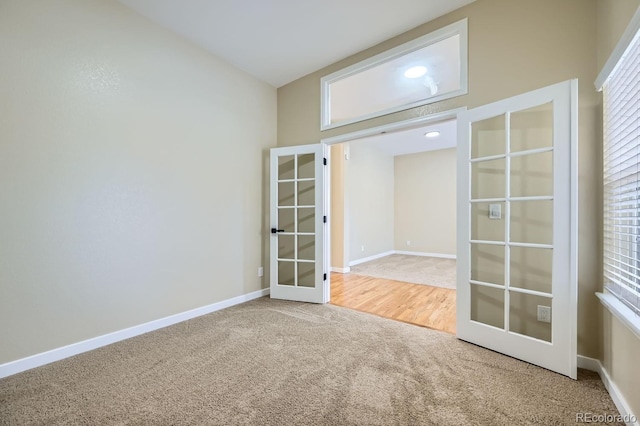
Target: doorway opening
393, 223
516, 223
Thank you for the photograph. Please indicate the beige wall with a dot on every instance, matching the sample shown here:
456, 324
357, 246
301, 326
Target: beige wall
613, 17
509, 54
620, 346
339, 246
514, 46
425, 202
369, 215
131, 174
620, 359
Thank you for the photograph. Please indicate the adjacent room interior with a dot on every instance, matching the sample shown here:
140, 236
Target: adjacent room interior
393, 230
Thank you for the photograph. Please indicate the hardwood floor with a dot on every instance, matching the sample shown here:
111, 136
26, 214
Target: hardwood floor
418, 304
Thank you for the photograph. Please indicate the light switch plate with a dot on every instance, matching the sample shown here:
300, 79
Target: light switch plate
495, 211
544, 313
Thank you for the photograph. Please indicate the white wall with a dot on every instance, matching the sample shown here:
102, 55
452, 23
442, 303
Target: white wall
389, 200
131, 174
369, 183
425, 202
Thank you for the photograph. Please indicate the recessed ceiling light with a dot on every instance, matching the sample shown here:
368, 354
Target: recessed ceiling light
432, 134
415, 72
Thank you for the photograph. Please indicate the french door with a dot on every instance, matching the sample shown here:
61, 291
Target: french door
517, 285
298, 224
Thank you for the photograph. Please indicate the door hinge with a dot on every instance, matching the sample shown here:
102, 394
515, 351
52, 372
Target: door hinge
324, 278
324, 161
324, 219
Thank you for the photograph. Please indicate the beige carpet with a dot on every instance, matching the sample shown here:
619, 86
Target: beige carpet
283, 363
432, 271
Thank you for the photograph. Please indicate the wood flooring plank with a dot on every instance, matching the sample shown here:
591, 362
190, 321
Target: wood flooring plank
426, 306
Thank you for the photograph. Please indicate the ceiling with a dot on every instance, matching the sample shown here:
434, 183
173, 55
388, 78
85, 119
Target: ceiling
279, 41
413, 140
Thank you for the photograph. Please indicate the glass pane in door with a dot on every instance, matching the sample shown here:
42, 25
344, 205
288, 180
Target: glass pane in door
286, 219
532, 175
488, 137
487, 221
286, 167
306, 166
306, 220
286, 273
487, 263
306, 274
306, 193
523, 315
487, 305
488, 179
532, 222
530, 268
286, 193
286, 247
532, 128
306, 247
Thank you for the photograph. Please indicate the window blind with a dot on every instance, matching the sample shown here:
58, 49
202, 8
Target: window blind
621, 108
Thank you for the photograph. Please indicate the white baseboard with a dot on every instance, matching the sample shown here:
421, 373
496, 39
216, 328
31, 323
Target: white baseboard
341, 270
419, 253
57, 354
390, 252
593, 364
590, 364
370, 258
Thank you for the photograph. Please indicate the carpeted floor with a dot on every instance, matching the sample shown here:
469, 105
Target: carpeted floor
432, 271
271, 362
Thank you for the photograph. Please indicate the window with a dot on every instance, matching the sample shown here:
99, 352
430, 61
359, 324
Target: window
621, 108
425, 70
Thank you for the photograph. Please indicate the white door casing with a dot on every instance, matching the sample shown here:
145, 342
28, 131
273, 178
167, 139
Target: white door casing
298, 215
517, 227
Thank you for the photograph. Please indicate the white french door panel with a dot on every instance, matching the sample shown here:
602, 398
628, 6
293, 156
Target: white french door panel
298, 224
516, 227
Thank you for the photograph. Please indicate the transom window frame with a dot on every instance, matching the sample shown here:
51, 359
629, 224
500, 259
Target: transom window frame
457, 28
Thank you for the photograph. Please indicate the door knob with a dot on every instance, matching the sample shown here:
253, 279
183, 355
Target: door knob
274, 230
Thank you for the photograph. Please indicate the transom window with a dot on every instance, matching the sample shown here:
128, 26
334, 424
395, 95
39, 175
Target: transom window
428, 69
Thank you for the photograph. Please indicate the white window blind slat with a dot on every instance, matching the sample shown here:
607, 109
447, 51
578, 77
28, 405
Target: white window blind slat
627, 149
621, 160
623, 84
617, 257
631, 285
624, 109
627, 234
626, 269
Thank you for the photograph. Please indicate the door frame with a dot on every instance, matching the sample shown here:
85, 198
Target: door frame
374, 131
